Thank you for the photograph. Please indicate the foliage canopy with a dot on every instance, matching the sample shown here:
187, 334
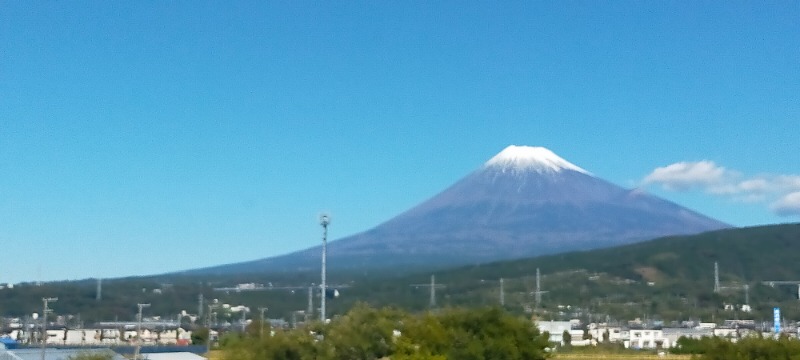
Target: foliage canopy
369, 333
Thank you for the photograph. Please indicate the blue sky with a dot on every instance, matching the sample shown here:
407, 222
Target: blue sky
145, 137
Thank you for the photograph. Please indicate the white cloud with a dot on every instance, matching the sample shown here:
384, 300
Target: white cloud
788, 205
789, 182
754, 185
783, 191
687, 175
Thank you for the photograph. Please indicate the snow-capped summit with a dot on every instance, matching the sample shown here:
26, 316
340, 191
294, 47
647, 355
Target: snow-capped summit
523, 158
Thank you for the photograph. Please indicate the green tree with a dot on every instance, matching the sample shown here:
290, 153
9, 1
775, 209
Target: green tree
363, 333
291, 345
752, 348
93, 356
200, 336
567, 338
490, 333
369, 334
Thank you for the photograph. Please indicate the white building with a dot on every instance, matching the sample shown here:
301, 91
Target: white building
646, 339
555, 329
599, 333
107, 337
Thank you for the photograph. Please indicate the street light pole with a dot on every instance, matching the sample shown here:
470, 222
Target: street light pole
324, 220
45, 311
139, 331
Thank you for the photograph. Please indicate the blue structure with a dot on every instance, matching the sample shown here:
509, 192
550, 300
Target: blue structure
57, 354
8, 343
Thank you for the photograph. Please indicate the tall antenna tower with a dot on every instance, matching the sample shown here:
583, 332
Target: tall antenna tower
324, 220
716, 277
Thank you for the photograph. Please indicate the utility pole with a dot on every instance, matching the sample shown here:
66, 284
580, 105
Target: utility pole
45, 311
262, 310
324, 220
139, 330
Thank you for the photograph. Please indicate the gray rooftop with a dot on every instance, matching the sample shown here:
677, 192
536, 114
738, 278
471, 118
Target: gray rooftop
53, 354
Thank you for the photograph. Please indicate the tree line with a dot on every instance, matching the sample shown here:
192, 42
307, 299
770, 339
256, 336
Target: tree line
365, 332
748, 348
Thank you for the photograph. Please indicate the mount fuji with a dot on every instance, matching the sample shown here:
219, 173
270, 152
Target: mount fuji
523, 202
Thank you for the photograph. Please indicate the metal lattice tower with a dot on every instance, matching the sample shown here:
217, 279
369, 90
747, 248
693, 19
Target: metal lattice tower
261, 330
433, 291
538, 288
502, 294
139, 330
310, 310
746, 294
716, 277
45, 310
433, 285
538, 293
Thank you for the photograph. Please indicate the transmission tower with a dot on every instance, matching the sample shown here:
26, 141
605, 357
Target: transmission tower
433, 286
538, 293
502, 294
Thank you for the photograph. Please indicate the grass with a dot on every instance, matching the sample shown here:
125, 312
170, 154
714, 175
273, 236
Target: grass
215, 355
620, 357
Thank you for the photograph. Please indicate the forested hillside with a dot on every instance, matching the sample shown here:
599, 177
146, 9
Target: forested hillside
667, 278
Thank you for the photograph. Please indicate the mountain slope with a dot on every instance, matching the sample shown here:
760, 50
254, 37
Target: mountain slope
753, 254
673, 276
523, 202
